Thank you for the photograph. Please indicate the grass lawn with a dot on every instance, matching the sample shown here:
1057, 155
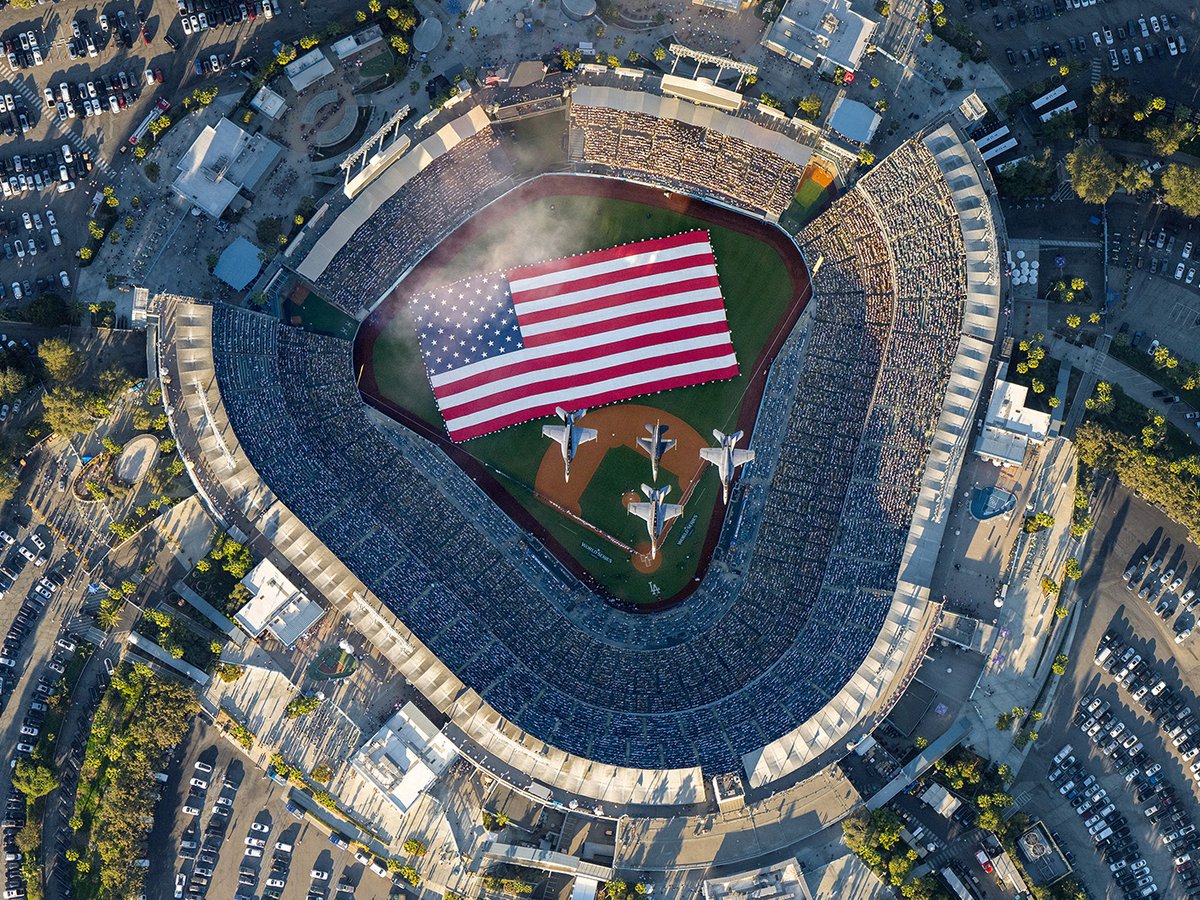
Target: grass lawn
377, 66
536, 144
622, 470
810, 201
757, 291
321, 317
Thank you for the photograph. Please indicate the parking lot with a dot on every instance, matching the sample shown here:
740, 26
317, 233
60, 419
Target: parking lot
244, 842
1127, 530
120, 94
1084, 34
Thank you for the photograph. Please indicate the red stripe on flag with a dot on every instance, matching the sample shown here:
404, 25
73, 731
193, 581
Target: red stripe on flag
599, 399
597, 256
580, 355
564, 382
702, 256
608, 301
641, 318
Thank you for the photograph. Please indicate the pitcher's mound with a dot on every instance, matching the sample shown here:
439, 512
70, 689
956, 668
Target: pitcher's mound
642, 561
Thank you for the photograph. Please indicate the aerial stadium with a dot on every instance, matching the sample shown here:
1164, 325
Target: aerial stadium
794, 614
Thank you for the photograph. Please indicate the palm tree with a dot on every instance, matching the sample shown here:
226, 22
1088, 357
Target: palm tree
108, 617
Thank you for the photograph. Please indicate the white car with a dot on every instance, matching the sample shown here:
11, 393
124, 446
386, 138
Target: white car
50, 218
199, 784
37, 221
1154, 24
1137, 54
1191, 276
255, 852
186, 23
55, 237
189, 810
7, 538
180, 878
1179, 271
252, 841
260, 827
203, 767
319, 875
1096, 38
1108, 36
64, 279
1187, 251
28, 220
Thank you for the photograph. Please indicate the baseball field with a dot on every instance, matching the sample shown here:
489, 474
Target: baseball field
584, 521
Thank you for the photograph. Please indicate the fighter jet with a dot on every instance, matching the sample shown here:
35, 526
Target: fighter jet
656, 513
569, 435
656, 445
726, 458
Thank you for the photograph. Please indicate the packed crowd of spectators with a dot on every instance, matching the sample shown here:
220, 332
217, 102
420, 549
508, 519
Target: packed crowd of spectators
725, 167
414, 220
852, 422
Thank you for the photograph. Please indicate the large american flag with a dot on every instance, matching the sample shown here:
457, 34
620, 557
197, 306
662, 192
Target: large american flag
584, 331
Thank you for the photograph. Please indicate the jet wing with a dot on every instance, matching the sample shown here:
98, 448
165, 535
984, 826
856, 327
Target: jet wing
555, 432
712, 455
583, 435
642, 511
741, 457
671, 511
646, 444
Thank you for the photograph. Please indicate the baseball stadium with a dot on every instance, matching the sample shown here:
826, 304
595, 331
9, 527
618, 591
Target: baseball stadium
776, 629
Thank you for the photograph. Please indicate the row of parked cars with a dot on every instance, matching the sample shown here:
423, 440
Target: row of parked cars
24, 50
1160, 586
87, 99
1169, 709
43, 171
197, 16
1109, 829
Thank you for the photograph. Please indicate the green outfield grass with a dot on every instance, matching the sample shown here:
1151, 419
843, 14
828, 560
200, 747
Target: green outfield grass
810, 201
757, 290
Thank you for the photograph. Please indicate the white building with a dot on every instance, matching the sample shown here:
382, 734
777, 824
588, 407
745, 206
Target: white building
1010, 426
221, 162
820, 33
307, 70
404, 757
783, 881
276, 605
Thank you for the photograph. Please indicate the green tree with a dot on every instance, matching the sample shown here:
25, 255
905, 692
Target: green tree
659, 54
866, 157
809, 107
12, 382
1049, 585
33, 779
1059, 667
63, 363
1168, 137
1072, 569
268, 229
1135, 179
399, 44
1181, 189
1093, 171
413, 847
1073, 321
152, 172
309, 41
66, 410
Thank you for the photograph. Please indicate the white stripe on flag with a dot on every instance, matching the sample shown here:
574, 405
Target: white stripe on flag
657, 279
502, 384
655, 304
700, 245
617, 335
564, 397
